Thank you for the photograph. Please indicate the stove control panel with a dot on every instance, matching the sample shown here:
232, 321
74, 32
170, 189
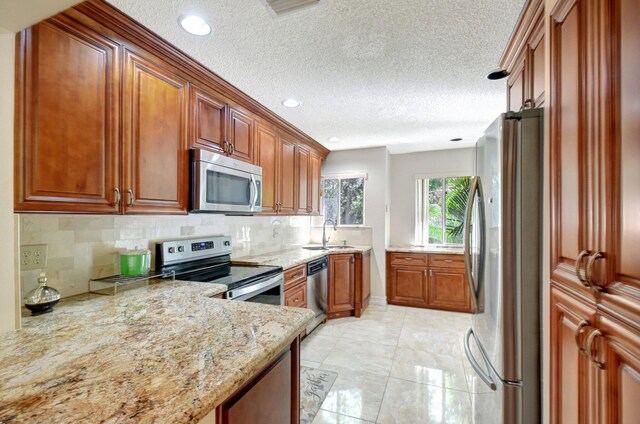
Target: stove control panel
173, 252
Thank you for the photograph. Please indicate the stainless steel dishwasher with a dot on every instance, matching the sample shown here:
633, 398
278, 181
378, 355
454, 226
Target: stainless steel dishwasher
317, 287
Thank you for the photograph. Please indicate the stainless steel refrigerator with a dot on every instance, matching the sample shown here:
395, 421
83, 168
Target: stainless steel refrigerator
503, 259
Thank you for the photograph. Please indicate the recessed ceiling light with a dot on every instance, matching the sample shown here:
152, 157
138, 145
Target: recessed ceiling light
194, 25
291, 103
456, 139
334, 139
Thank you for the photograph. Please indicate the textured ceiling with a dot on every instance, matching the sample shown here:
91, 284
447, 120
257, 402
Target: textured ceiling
409, 74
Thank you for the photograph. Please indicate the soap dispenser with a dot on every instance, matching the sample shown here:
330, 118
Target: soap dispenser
42, 298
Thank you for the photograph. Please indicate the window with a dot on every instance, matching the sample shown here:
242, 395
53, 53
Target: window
440, 208
343, 200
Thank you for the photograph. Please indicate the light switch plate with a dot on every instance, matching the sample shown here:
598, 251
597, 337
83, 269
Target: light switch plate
33, 257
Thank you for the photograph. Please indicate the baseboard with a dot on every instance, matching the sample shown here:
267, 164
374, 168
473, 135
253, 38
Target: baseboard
378, 300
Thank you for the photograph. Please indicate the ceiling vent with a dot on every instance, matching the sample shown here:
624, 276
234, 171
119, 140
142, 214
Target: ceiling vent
283, 7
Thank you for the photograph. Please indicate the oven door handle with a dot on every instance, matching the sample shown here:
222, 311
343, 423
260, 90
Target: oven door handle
249, 291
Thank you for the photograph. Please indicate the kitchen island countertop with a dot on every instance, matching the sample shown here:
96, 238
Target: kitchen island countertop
293, 257
168, 352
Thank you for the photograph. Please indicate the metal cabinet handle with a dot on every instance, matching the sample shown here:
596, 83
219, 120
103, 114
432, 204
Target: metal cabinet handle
118, 197
448, 260
408, 259
232, 148
581, 326
589, 270
578, 265
132, 198
590, 339
225, 146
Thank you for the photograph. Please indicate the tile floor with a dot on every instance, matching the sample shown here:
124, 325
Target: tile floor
394, 365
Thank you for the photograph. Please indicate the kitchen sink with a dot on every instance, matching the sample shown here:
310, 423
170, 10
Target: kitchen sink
327, 248
342, 246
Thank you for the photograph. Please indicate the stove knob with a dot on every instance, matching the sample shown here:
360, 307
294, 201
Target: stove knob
180, 249
172, 250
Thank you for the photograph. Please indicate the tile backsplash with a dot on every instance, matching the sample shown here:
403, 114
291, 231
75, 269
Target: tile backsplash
81, 247
358, 236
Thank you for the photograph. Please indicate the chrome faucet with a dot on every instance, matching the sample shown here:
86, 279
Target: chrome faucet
326, 239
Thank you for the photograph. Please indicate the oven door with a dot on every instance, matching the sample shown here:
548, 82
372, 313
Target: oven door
217, 188
269, 291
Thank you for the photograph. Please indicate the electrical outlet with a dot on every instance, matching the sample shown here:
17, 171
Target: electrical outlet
33, 257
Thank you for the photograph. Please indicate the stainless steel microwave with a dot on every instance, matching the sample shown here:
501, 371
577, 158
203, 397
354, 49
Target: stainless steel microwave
224, 185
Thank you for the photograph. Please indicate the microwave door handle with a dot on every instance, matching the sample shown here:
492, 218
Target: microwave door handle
254, 196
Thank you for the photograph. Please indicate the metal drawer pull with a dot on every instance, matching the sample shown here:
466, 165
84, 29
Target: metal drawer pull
117, 190
132, 198
448, 260
578, 265
297, 276
232, 148
589, 271
408, 259
581, 325
590, 339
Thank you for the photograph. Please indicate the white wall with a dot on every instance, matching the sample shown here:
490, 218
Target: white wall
404, 169
8, 309
375, 162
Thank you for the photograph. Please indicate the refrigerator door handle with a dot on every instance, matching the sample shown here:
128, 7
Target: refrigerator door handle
476, 190
486, 378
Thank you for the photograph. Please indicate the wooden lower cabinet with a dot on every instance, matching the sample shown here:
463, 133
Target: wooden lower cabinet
349, 284
270, 397
426, 280
296, 296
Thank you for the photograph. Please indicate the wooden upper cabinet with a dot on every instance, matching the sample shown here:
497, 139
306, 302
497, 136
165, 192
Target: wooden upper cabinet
314, 183
341, 283
536, 66
288, 179
67, 119
571, 376
516, 84
267, 157
155, 139
241, 134
303, 159
571, 230
208, 121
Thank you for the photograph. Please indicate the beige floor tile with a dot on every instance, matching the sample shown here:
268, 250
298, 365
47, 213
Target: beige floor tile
429, 368
474, 383
316, 347
383, 332
361, 356
355, 393
409, 402
309, 364
430, 340
326, 417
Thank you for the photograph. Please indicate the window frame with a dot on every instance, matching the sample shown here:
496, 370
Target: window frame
421, 220
346, 176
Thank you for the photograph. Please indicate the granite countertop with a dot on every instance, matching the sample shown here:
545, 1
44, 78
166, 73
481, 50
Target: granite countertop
426, 249
293, 257
168, 352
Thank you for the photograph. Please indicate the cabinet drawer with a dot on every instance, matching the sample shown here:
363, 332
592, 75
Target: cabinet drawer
447, 261
296, 297
417, 259
294, 276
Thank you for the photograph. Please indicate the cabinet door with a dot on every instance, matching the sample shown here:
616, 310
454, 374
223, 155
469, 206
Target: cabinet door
408, 286
448, 290
341, 283
208, 126
287, 180
267, 152
516, 84
296, 296
241, 134
571, 223
67, 109
314, 184
362, 282
571, 375
620, 356
536, 66
303, 158
155, 140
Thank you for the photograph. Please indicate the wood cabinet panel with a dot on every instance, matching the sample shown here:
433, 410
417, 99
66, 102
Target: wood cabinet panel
411, 259
303, 158
446, 261
448, 289
268, 400
296, 296
155, 140
208, 126
241, 134
537, 68
267, 158
314, 182
571, 374
67, 119
341, 283
408, 286
516, 84
288, 181
295, 276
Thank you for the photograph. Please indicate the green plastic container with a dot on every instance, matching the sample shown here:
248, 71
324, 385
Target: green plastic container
135, 262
